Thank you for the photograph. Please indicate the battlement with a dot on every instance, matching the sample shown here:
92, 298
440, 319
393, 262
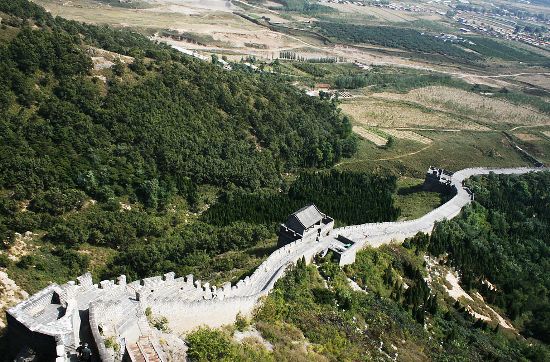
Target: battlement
49, 321
439, 180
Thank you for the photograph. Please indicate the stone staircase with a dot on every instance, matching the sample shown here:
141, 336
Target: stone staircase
144, 351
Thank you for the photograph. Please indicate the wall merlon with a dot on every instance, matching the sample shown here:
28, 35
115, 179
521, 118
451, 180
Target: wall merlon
188, 303
85, 280
121, 280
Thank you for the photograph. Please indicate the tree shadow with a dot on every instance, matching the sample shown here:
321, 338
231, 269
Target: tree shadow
261, 251
410, 190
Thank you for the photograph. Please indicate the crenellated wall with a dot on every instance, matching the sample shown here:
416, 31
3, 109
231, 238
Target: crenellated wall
118, 307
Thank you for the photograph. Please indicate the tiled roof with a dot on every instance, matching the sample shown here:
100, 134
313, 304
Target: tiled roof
308, 215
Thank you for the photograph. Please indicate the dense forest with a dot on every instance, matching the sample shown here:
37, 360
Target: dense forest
310, 68
350, 81
349, 197
304, 7
120, 160
504, 238
499, 49
179, 120
401, 38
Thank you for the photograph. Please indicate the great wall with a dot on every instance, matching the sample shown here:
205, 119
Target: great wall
55, 320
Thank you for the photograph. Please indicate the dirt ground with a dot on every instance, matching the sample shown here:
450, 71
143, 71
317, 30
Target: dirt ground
370, 136
10, 295
527, 137
484, 109
387, 110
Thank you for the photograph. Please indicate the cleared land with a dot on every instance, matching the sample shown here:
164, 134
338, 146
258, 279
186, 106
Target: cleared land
451, 150
527, 137
408, 135
484, 109
370, 136
377, 13
390, 111
538, 80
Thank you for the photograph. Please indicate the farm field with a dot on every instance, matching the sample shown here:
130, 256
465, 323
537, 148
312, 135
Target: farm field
370, 135
482, 109
394, 111
444, 126
450, 150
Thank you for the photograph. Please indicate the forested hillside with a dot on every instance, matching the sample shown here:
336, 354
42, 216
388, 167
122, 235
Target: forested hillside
314, 314
168, 120
119, 160
505, 239
395, 302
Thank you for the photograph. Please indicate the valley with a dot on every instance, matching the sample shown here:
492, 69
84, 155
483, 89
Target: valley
151, 149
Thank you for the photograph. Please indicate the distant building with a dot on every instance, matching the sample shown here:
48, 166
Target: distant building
322, 86
304, 223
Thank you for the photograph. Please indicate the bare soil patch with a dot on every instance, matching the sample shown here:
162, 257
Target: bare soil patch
370, 136
408, 135
527, 137
20, 246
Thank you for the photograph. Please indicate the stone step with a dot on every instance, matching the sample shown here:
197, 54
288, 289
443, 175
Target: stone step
148, 349
136, 353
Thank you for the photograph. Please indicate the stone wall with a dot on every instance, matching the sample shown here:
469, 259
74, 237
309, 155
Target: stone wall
188, 303
105, 354
19, 337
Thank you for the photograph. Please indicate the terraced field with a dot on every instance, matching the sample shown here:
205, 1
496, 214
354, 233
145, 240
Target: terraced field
388, 110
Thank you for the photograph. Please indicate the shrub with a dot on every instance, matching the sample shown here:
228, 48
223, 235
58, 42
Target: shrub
241, 323
207, 344
4, 260
111, 343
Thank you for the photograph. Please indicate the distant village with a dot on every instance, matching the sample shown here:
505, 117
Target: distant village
499, 22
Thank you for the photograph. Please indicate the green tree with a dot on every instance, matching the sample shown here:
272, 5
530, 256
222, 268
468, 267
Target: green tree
207, 345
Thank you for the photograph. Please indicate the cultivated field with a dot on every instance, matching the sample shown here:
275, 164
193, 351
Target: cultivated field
482, 109
407, 135
389, 111
370, 136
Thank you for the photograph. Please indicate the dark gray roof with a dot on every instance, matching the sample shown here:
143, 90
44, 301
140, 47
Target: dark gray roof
304, 218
